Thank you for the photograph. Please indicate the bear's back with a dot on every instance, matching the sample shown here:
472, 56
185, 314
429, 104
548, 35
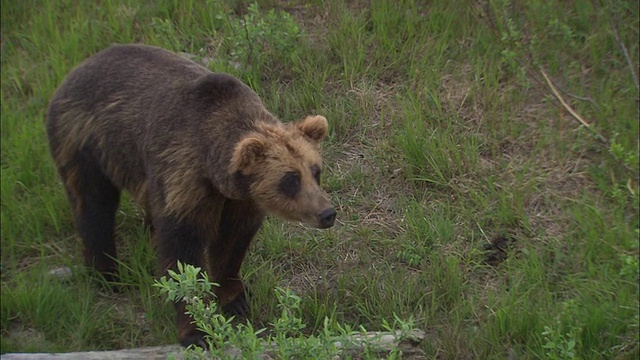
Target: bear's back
134, 72
129, 106
139, 88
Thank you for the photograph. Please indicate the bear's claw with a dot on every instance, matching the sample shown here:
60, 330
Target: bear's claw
194, 338
238, 307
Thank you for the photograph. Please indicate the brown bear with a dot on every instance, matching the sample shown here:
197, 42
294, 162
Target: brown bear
198, 151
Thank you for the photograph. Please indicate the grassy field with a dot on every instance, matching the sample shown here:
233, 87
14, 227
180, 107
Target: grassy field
469, 197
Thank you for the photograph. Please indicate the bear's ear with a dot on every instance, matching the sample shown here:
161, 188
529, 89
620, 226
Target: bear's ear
315, 128
247, 152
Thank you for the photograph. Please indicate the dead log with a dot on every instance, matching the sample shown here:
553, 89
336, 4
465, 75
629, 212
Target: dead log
384, 341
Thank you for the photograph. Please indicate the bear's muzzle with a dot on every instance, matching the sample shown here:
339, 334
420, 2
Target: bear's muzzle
326, 218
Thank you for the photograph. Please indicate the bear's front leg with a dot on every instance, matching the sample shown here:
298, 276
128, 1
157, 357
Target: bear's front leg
239, 223
181, 240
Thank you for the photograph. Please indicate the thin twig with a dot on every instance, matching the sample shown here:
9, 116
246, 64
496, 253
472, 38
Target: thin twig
577, 116
249, 42
577, 97
627, 56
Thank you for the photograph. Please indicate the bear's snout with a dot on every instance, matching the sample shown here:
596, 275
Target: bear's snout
327, 218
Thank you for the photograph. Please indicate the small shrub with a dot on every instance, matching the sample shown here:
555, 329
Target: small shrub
260, 39
285, 340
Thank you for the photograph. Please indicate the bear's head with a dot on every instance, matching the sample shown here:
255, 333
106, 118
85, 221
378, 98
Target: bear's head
283, 165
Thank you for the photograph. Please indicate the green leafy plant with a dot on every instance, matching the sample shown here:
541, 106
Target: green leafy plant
285, 339
626, 156
165, 32
559, 346
262, 38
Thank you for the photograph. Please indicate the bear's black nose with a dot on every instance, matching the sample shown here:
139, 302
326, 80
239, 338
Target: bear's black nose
327, 217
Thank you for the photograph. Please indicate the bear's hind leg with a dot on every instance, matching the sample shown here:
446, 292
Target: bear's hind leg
95, 200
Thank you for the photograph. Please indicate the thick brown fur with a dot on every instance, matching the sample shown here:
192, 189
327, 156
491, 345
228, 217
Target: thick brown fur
196, 149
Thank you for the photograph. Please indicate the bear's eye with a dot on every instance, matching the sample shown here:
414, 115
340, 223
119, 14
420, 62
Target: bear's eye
316, 171
290, 184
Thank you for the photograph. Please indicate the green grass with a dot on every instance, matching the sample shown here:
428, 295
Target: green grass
444, 137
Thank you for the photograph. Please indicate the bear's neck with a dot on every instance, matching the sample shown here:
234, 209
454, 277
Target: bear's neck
234, 185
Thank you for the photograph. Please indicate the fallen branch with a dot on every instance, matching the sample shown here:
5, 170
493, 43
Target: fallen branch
152, 353
568, 107
385, 341
584, 122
